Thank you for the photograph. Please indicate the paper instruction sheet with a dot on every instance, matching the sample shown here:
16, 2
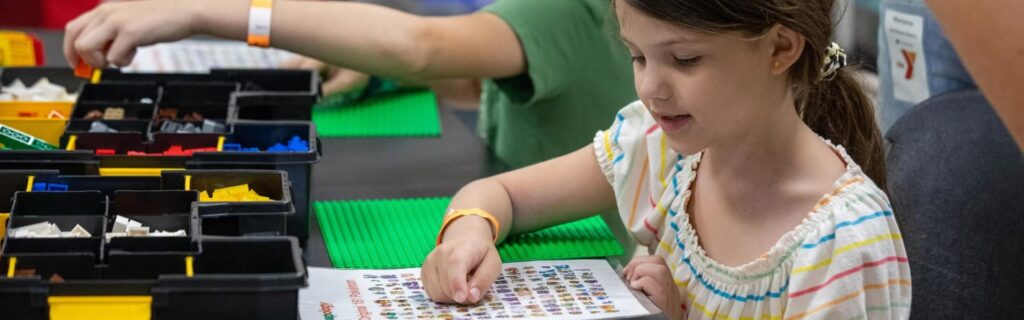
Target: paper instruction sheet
198, 56
567, 289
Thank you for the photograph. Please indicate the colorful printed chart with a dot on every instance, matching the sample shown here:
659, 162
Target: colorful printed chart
567, 289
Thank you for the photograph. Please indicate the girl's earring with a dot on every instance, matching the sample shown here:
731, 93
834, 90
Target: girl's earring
776, 64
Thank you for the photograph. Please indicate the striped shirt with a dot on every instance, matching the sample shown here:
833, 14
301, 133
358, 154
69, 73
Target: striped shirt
846, 260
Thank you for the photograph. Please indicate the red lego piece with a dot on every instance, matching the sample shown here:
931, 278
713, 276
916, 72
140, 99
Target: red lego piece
83, 70
136, 153
175, 150
210, 149
105, 152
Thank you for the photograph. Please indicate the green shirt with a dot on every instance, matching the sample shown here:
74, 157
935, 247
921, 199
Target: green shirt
578, 75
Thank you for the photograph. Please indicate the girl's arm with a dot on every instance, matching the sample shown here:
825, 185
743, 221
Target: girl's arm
365, 37
567, 188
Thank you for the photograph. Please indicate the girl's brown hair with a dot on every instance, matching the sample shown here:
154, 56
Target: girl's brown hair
834, 107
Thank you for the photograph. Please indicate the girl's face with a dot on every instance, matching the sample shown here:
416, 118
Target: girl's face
703, 89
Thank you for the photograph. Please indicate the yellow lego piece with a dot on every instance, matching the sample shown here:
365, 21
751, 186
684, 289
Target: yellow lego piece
204, 197
221, 195
233, 193
253, 196
239, 190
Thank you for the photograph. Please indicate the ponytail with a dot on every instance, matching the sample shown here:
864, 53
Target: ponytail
838, 110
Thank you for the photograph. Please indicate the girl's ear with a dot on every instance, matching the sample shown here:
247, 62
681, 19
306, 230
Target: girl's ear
787, 46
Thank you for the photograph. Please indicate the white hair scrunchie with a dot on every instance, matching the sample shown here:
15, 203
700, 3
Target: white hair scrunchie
835, 59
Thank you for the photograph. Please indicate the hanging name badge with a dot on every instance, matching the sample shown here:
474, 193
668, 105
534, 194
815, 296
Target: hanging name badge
905, 33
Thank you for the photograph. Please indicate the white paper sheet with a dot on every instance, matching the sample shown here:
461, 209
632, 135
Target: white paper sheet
191, 55
569, 289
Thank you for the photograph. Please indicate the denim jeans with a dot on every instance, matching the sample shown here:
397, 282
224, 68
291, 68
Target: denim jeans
943, 71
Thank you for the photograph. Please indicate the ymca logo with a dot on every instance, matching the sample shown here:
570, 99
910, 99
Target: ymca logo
909, 57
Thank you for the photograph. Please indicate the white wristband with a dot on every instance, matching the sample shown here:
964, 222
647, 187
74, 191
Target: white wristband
259, 22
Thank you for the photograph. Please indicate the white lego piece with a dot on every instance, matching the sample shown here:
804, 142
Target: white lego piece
120, 224
35, 227
158, 233
115, 234
80, 232
42, 90
138, 231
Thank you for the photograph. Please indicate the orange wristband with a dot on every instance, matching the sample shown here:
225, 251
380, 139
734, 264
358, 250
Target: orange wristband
469, 212
259, 22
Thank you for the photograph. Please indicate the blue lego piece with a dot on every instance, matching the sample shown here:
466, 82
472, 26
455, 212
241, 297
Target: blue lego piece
39, 186
298, 145
250, 149
57, 187
278, 147
232, 147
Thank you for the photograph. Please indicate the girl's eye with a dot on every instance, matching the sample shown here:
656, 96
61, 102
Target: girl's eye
688, 62
639, 60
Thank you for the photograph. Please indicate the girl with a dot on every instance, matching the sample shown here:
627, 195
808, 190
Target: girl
748, 167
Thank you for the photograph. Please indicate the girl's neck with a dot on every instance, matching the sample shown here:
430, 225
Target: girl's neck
780, 148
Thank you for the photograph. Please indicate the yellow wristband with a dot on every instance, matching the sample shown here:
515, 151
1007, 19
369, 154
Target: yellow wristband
469, 212
259, 22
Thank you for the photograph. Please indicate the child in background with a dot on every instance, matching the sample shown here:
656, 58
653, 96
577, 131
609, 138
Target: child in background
749, 168
543, 62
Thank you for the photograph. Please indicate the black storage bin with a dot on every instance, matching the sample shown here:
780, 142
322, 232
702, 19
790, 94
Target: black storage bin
262, 106
249, 277
239, 218
165, 210
119, 94
272, 81
70, 258
298, 165
208, 100
196, 93
122, 142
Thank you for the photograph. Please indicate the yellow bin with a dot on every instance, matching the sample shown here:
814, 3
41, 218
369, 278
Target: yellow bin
100, 307
37, 125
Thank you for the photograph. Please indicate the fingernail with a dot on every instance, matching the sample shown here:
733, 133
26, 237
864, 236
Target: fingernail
474, 294
460, 296
635, 285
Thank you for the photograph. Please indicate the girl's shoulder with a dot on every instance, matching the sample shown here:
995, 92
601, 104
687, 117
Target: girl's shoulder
855, 217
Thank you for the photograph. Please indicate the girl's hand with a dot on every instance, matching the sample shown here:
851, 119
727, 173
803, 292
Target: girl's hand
652, 275
464, 266
111, 32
